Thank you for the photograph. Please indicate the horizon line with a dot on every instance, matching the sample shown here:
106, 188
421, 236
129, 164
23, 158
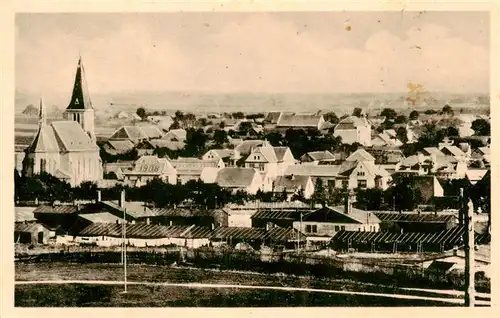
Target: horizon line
206, 92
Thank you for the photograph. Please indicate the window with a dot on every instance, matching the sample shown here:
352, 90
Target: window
342, 228
345, 183
331, 183
361, 173
261, 167
361, 183
337, 228
43, 165
311, 228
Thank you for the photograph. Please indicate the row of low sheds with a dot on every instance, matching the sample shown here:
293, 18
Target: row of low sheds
101, 224
147, 235
403, 242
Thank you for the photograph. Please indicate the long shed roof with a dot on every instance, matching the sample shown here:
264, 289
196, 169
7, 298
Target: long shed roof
450, 236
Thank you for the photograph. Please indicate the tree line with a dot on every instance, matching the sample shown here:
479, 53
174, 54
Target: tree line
400, 196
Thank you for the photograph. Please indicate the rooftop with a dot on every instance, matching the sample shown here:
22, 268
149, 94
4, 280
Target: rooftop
235, 177
299, 120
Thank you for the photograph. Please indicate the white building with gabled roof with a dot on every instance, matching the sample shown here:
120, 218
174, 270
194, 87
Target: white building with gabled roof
354, 129
67, 149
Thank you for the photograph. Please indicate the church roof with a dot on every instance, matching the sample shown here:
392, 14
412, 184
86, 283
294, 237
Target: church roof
71, 136
80, 98
45, 141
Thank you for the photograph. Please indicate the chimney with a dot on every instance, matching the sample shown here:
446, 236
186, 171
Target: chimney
170, 222
98, 195
122, 199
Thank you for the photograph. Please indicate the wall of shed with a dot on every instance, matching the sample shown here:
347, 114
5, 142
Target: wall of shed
33, 237
327, 228
240, 220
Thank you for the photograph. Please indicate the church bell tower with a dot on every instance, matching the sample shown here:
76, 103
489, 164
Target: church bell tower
80, 107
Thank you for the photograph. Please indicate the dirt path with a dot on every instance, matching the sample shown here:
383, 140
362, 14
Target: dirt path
198, 285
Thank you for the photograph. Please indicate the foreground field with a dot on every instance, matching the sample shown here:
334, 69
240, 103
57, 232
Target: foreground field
156, 294
72, 295
149, 273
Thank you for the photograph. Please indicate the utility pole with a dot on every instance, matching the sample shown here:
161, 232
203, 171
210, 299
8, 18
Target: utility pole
300, 229
124, 251
467, 211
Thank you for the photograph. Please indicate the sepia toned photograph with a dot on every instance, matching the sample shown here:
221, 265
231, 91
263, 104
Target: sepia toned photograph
252, 159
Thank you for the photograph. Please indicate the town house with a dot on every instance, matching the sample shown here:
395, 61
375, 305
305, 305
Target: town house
292, 184
353, 129
358, 171
147, 168
300, 121
240, 179
322, 224
270, 161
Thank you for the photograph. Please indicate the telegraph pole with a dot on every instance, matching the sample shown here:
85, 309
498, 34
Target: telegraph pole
467, 211
300, 228
124, 252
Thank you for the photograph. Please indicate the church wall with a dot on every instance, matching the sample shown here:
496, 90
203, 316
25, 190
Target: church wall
84, 166
51, 163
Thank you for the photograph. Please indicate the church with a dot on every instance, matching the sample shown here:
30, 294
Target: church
67, 149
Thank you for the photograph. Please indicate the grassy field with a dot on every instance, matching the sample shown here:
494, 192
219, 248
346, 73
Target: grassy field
53, 295
71, 295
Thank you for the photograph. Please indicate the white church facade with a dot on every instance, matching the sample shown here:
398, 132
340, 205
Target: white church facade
67, 149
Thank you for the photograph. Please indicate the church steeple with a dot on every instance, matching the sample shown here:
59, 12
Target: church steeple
42, 141
80, 107
41, 116
81, 97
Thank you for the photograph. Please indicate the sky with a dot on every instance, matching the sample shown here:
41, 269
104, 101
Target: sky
226, 52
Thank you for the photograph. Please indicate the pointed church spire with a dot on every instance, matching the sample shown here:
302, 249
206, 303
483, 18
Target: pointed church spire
41, 115
81, 97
